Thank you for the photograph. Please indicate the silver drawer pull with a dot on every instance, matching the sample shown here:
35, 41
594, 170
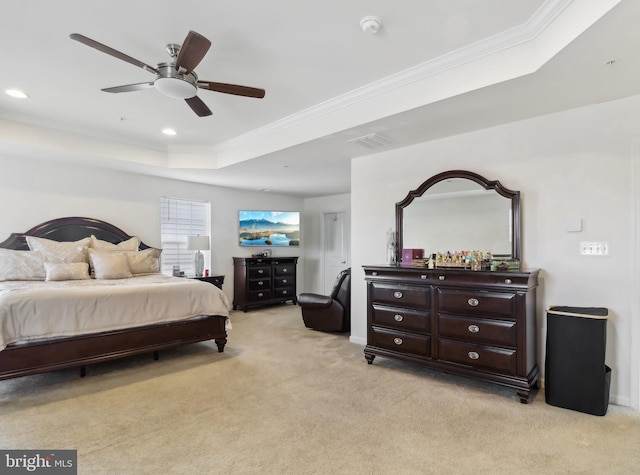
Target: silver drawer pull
473, 302
260, 282
397, 341
374, 273
397, 294
423, 277
260, 271
260, 294
284, 281
284, 292
284, 270
473, 355
473, 328
398, 318
507, 281
441, 277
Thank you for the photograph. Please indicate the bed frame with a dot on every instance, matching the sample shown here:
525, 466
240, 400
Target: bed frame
42, 357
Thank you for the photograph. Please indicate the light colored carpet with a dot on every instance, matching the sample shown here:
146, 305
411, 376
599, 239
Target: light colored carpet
283, 399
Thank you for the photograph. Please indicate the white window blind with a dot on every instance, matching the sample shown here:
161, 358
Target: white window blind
179, 219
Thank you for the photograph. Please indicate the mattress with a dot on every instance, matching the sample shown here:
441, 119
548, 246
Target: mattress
33, 311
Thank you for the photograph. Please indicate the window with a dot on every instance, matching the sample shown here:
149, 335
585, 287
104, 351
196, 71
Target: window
179, 219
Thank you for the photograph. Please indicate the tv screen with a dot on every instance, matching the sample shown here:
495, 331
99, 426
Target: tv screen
269, 228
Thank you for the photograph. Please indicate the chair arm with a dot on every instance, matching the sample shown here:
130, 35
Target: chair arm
314, 300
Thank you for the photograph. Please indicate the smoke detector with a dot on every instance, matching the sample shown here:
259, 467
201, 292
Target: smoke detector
371, 24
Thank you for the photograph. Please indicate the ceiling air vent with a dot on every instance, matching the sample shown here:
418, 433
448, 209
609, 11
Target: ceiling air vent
372, 141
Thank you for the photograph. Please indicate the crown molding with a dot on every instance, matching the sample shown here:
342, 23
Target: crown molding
527, 32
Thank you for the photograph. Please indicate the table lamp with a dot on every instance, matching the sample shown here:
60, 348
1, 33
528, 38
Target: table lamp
198, 243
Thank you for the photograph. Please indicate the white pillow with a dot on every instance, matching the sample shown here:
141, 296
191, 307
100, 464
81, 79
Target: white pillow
21, 265
144, 262
109, 265
131, 244
66, 271
54, 251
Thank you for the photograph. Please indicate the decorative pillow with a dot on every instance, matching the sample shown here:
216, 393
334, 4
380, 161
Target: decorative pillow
144, 262
21, 265
66, 270
109, 265
54, 251
129, 245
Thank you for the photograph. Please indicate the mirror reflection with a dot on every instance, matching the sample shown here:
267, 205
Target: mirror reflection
460, 210
458, 214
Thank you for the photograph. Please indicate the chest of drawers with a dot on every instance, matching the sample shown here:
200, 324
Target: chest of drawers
260, 281
478, 324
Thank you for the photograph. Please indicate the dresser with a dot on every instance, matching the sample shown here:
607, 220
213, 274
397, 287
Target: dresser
260, 281
479, 324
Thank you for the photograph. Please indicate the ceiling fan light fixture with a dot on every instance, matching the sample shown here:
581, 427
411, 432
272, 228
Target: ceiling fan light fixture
175, 87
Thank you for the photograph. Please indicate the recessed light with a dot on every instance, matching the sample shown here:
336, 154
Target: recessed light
168, 131
17, 93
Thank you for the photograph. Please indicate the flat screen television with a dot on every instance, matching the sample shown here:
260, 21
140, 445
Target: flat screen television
269, 228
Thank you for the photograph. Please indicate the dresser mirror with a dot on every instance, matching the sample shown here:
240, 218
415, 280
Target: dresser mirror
460, 210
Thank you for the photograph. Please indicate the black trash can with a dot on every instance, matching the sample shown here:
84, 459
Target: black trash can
576, 376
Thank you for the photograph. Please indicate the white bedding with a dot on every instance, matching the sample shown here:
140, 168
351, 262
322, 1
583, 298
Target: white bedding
38, 310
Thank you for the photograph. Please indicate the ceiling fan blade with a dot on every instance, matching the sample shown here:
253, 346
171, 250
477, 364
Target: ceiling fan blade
112, 52
199, 107
232, 89
193, 49
130, 87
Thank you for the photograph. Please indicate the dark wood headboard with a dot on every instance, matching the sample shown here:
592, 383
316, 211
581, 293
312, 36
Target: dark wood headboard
69, 229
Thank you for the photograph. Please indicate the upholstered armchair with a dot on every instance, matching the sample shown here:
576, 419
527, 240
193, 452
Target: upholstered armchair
329, 313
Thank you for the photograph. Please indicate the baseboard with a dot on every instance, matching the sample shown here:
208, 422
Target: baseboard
357, 340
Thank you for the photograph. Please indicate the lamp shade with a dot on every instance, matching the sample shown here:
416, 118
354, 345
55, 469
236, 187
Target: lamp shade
198, 243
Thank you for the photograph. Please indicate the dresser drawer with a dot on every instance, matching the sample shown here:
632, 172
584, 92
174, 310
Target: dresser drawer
259, 284
402, 318
473, 302
286, 281
478, 356
402, 342
484, 279
478, 330
284, 292
402, 296
258, 272
284, 269
257, 296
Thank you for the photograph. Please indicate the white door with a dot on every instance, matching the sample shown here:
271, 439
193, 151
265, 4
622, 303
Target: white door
336, 247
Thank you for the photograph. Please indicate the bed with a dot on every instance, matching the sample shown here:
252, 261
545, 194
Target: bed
205, 308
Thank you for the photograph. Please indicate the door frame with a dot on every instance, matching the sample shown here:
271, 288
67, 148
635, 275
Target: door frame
323, 239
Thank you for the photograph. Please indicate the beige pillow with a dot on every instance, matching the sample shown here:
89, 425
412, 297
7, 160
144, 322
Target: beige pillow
144, 262
131, 244
54, 251
66, 271
21, 265
109, 265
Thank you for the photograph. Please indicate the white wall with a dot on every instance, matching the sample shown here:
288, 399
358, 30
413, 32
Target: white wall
33, 191
576, 164
314, 209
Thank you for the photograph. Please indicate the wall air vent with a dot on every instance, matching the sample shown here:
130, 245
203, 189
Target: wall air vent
372, 141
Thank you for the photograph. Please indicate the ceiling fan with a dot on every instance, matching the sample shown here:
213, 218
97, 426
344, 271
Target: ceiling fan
177, 78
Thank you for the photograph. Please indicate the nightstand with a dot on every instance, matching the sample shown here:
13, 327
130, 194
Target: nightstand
216, 280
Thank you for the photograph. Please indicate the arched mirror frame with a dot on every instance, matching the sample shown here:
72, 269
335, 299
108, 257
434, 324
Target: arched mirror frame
495, 185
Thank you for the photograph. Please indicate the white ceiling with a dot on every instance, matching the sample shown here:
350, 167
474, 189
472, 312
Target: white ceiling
436, 68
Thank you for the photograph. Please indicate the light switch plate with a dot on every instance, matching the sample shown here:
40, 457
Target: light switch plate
594, 248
